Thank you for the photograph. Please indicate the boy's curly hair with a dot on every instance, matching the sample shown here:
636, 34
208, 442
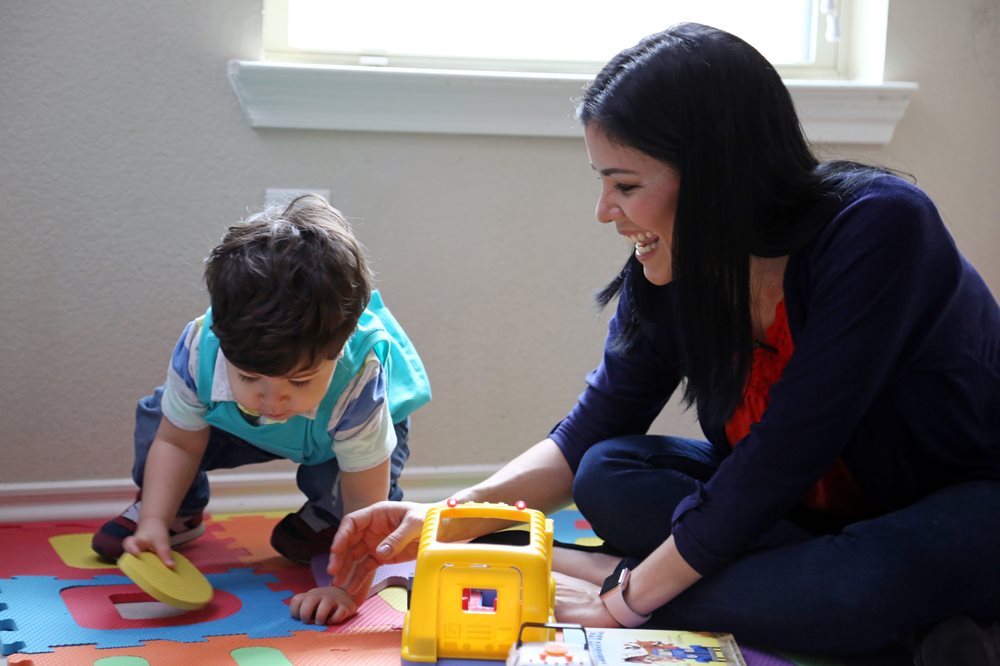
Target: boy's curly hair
287, 287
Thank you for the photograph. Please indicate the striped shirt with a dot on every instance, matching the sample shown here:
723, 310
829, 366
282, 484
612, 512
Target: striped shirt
360, 425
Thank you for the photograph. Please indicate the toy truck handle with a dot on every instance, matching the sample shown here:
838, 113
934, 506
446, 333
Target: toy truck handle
498, 510
552, 625
539, 528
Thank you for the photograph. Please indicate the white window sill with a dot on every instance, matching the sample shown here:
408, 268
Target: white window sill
386, 99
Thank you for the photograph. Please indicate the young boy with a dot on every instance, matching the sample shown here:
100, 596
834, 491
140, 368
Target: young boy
296, 358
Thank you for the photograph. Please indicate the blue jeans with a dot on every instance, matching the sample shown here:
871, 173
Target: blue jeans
860, 588
319, 482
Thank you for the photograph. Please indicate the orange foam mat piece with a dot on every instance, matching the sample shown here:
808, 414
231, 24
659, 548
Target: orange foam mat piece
252, 533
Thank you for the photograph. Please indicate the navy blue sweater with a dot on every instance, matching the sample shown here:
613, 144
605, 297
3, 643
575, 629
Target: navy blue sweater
896, 371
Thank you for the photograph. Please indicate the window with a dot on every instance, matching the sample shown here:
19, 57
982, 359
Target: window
514, 68
564, 36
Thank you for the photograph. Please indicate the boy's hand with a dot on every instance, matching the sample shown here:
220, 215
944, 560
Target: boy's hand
323, 605
153, 536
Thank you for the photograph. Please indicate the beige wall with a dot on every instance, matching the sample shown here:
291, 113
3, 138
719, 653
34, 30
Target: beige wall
124, 154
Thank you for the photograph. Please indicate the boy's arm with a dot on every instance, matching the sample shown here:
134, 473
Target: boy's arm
364, 488
360, 490
173, 461
362, 430
331, 604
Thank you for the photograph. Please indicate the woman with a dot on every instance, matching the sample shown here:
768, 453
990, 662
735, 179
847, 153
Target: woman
843, 359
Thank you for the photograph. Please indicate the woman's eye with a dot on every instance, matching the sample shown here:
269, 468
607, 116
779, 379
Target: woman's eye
625, 188
247, 378
299, 382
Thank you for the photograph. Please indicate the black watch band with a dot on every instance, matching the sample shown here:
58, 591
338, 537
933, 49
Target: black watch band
611, 581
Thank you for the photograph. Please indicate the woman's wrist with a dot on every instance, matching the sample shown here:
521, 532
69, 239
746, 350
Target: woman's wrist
614, 596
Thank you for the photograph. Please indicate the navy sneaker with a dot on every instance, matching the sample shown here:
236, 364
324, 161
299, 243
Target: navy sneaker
302, 535
107, 541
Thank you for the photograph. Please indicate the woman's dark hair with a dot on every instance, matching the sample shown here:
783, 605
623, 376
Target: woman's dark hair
707, 103
287, 287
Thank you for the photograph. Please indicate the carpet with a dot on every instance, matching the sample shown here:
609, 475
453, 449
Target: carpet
59, 605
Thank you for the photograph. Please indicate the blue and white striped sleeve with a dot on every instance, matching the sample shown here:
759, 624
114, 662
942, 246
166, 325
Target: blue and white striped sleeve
180, 404
360, 424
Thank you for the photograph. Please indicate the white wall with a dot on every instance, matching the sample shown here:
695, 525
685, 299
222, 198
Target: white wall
124, 155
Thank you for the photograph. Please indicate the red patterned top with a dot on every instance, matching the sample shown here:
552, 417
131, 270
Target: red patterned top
836, 492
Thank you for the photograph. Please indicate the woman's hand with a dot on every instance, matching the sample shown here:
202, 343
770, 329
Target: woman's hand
579, 601
323, 605
383, 533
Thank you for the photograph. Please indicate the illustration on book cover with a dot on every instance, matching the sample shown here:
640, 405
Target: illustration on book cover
656, 646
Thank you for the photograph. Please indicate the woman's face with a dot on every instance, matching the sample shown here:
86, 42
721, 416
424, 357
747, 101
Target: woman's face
639, 194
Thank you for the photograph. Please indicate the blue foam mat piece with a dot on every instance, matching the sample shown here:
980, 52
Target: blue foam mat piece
564, 526
48, 623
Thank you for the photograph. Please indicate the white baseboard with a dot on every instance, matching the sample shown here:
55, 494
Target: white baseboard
231, 493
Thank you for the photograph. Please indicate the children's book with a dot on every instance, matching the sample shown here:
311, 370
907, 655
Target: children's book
617, 647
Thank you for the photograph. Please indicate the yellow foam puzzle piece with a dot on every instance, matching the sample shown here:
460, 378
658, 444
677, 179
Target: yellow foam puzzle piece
75, 551
181, 587
395, 597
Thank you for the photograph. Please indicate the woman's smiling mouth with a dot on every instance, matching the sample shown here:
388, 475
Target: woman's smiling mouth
644, 241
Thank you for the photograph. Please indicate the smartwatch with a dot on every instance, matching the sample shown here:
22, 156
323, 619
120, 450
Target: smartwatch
613, 596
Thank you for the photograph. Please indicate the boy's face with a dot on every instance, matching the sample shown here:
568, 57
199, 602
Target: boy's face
281, 398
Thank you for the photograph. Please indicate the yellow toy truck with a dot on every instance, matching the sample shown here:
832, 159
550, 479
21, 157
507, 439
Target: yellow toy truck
469, 600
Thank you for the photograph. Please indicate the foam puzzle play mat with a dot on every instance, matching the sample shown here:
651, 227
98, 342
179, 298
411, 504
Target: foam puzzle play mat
60, 605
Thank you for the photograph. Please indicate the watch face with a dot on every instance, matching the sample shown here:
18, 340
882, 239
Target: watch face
620, 574
623, 578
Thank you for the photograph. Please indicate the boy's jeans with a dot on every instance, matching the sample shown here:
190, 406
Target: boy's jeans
319, 483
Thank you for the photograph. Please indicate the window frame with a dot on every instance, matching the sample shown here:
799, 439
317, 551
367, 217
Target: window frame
829, 63
856, 108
